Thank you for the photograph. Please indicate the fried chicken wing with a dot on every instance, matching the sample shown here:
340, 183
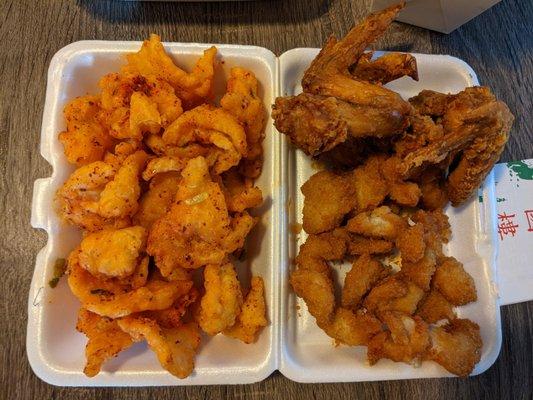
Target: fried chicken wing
106, 340
252, 316
328, 198
386, 68
456, 346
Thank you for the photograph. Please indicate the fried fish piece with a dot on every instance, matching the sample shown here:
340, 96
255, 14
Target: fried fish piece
394, 294
378, 223
106, 340
364, 274
253, 314
406, 341
434, 307
192, 88
113, 253
359, 245
456, 346
411, 243
454, 283
371, 188
421, 272
175, 347
222, 301
351, 328
328, 198
242, 100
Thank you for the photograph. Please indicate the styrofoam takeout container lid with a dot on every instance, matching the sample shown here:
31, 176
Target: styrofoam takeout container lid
291, 343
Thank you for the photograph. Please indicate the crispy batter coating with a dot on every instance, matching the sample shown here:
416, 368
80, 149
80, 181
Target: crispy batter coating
411, 243
378, 223
192, 88
211, 127
156, 201
454, 283
405, 193
365, 273
239, 192
420, 272
370, 186
406, 341
172, 317
243, 101
175, 347
113, 253
394, 294
222, 301
160, 165
120, 197
434, 307
328, 198
85, 139
359, 245
106, 340
144, 116
198, 229
456, 346
351, 328
386, 68
253, 314
114, 298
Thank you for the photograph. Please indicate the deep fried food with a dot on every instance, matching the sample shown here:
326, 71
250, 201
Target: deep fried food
242, 100
222, 301
454, 283
420, 272
386, 68
378, 223
163, 164
114, 298
351, 328
328, 198
359, 245
113, 253
198, 229
394, 294
411, 243
456, 346
175, 347
406, 341
434, 307
106, 340
253, 314
370, 186
365, 273
85, 139
211, 127
239, 192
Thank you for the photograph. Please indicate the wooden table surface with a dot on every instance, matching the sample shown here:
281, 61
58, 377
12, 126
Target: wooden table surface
498, 44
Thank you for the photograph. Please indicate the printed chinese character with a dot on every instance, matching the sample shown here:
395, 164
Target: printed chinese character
529, 217
507, 225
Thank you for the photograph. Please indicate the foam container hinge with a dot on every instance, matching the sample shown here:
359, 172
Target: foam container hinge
291, 343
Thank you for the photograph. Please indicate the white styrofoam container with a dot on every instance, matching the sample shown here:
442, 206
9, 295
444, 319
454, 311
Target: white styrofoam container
291, 343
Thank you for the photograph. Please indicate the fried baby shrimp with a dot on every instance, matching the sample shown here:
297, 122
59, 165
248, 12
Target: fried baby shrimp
116, 298
386, 68
406, 340
454, 283
163, 164
113, 253
239, 192
77, 200
119, 197
242, 100
197, 230
85, 139
175, 348
434, 307
328, 198
192, 88
253, 314
156, 201
172, 317
213, 127
365, 273
106, 340
456, 346
378, 223
394, 294
312, 279
222, 301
